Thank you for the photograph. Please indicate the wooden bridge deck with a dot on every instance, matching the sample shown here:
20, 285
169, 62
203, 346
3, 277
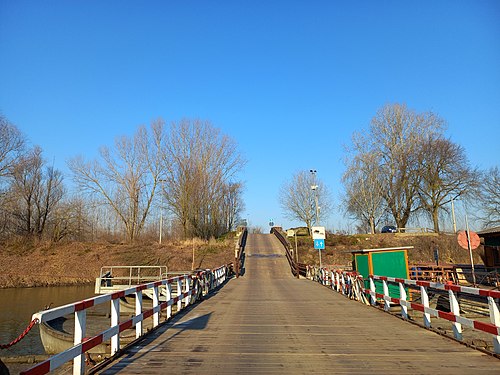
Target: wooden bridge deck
268, 322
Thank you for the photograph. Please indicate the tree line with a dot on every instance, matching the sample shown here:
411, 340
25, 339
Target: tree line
404, 166
185, 170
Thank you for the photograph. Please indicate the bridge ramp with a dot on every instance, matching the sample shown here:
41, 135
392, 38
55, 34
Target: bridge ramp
268, 322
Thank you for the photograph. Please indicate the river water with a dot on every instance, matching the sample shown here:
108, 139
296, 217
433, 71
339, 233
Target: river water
18, 304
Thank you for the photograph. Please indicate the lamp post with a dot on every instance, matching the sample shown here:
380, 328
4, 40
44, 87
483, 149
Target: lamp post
314, 188
453, 215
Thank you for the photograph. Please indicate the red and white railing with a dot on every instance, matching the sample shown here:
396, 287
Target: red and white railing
187, 292
351, 284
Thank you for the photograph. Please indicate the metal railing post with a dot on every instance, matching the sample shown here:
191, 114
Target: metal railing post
373, 292
494, 319
156, 302
168, 289
425, 301
179, 291
455, 309
80, 328
138, 311
387, 296
115, 320
187, 287
402, 297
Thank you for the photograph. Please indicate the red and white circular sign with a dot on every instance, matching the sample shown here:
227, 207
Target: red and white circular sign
474, 240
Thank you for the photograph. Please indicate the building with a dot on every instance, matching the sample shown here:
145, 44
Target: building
490, 238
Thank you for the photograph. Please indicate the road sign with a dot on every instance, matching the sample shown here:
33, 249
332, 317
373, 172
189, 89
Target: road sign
319, 244
318, 233
463, 241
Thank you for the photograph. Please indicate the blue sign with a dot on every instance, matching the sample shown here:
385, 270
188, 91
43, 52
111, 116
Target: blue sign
319, 244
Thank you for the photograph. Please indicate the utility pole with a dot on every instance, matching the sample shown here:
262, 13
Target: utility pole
453, 215
314, 188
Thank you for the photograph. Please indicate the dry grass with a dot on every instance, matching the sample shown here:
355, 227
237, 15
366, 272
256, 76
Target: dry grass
25, 264
338, 248
42, 264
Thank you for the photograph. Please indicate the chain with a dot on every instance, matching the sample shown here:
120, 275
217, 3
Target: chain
21, 336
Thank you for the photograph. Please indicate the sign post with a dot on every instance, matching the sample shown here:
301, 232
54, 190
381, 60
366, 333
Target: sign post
318, 235
470, 251
469, 240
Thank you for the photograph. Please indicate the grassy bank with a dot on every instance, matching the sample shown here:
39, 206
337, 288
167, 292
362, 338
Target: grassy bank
338, 248
43, 264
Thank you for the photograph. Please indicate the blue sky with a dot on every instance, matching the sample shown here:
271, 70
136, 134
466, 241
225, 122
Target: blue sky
289, 80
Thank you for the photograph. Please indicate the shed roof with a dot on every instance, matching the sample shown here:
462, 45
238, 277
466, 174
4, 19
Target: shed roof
381, 249
494, 230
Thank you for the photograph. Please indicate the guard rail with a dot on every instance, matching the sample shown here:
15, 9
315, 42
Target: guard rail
189, 289
352, 285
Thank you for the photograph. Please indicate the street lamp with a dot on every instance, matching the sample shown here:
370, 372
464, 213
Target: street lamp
453, 214
314, 188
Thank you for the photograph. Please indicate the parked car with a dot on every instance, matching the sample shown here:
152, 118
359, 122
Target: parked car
389, 229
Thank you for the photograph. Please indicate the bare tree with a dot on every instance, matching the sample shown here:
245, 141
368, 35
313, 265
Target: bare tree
445, 174
72, 220
36, 193
12, 144
232, 204
297, 198
489, 199
200, 163
364, 196
395, 137
126, 177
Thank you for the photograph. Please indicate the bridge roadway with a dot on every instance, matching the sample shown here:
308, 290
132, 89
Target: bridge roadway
268, 322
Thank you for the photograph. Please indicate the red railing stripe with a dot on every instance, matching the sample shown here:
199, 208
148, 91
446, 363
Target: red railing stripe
453, 287
417, 306
486, 327
85, 304
92, 342
447, 315
39, 369
117, 295
125, 325
424, 283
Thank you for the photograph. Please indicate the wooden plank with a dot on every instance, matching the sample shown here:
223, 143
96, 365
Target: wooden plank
268, 322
